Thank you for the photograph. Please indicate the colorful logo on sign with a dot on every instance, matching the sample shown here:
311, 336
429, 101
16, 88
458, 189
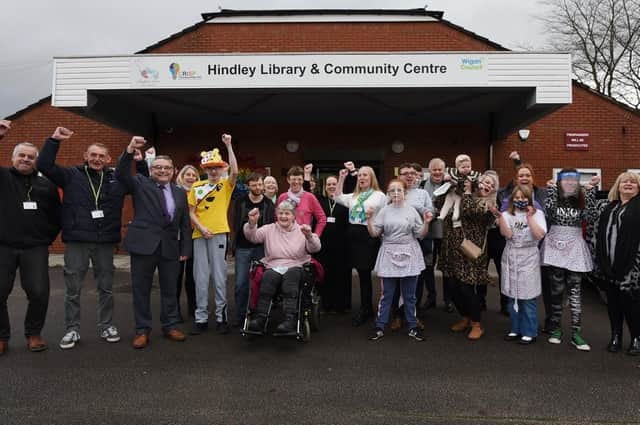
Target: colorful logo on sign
179, 74
149, 74
471, 64
174, 69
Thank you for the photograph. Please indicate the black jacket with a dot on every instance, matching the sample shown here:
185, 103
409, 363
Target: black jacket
27, 228
79, 201
240, 216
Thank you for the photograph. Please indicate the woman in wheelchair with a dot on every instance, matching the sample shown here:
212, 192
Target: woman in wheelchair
287, 246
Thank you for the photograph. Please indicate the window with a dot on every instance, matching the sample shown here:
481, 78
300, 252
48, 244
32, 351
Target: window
585, 175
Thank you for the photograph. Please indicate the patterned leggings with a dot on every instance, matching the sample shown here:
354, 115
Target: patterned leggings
561, 280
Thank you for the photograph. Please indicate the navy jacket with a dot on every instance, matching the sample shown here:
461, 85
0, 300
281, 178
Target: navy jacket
78, 199
149, 231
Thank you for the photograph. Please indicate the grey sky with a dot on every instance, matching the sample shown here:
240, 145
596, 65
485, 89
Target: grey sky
32, 32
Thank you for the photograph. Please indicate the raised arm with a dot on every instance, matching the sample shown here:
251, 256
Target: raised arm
123, 169
341, 176
233, 162
46, 162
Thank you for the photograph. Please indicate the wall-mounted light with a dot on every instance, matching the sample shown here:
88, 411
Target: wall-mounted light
292, 146
397, 146
524, 134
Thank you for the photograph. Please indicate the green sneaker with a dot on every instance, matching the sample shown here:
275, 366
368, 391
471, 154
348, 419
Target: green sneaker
555, 336
578, 341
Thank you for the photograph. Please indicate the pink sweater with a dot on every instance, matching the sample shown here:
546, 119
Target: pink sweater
308, 207
283, 248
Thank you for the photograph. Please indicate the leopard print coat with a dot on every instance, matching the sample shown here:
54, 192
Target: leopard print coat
476, 219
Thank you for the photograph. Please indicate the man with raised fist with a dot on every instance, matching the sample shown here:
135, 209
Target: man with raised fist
29, 223
158, 237
91, 224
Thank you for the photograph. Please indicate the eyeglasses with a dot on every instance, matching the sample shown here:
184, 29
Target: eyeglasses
395, 190
409, 173
162, 167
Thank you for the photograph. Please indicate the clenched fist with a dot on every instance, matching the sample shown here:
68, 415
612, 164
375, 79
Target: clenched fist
61, 134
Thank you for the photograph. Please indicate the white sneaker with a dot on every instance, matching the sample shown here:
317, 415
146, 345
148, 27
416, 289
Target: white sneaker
110, 334
69, 340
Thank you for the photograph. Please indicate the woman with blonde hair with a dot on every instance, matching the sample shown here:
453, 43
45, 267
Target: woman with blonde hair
618, 259
466, 274
271, 188
187, 176
363, 249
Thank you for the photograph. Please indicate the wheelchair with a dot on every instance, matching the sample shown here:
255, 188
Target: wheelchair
308, 301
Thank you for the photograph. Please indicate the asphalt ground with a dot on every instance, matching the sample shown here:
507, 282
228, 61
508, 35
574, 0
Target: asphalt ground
339, 377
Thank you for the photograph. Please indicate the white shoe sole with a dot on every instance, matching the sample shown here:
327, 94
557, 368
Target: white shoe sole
112, 339
581, 347
69, 345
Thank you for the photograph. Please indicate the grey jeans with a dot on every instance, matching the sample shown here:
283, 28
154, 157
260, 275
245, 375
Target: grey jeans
209, 260
76, 264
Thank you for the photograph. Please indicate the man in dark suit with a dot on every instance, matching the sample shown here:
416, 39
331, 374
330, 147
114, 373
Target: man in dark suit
159, 236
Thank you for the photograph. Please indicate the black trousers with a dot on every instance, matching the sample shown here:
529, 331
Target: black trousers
495, 248
186, 272
34, 278
289, 282
467, 299
142, 270
621, 306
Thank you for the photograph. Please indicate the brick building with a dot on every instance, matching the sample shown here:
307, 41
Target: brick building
375, 118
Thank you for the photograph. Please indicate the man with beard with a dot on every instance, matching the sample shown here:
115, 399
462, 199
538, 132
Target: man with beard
244, 250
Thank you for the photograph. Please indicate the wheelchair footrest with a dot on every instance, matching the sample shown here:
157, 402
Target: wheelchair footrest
250, 332
291, 333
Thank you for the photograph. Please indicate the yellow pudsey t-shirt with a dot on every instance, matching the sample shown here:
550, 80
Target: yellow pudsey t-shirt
211, 202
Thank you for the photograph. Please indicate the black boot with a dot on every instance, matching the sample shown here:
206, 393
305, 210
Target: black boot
634, 347
290, 323
256, 325
616, 343
259, 316
287, 327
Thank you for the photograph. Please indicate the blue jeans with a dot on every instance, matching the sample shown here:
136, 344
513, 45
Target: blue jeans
244, 256
408, 287
525, 321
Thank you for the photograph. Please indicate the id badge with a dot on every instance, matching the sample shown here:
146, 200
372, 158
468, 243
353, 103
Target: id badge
97, 214
30, 205
331, 219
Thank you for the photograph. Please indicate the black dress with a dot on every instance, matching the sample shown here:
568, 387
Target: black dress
336, 289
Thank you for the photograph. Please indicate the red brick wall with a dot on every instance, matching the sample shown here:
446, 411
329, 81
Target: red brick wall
323, 37
610, 149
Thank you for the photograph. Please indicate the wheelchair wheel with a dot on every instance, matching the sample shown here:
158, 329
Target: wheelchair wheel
315, 311
305, 335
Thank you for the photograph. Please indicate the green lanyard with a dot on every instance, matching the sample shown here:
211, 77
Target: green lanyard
96, 194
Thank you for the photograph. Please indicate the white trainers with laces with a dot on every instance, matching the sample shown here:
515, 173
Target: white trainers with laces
110, 334
69, 340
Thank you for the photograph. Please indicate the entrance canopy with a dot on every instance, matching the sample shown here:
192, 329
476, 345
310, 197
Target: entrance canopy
141, 93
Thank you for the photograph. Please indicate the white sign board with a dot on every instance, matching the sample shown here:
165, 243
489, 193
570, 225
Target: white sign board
346, 70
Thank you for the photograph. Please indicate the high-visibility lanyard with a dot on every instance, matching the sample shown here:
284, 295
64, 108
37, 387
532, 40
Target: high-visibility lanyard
96, 193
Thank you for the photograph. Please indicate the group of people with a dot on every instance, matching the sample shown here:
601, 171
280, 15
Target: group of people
451, 218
